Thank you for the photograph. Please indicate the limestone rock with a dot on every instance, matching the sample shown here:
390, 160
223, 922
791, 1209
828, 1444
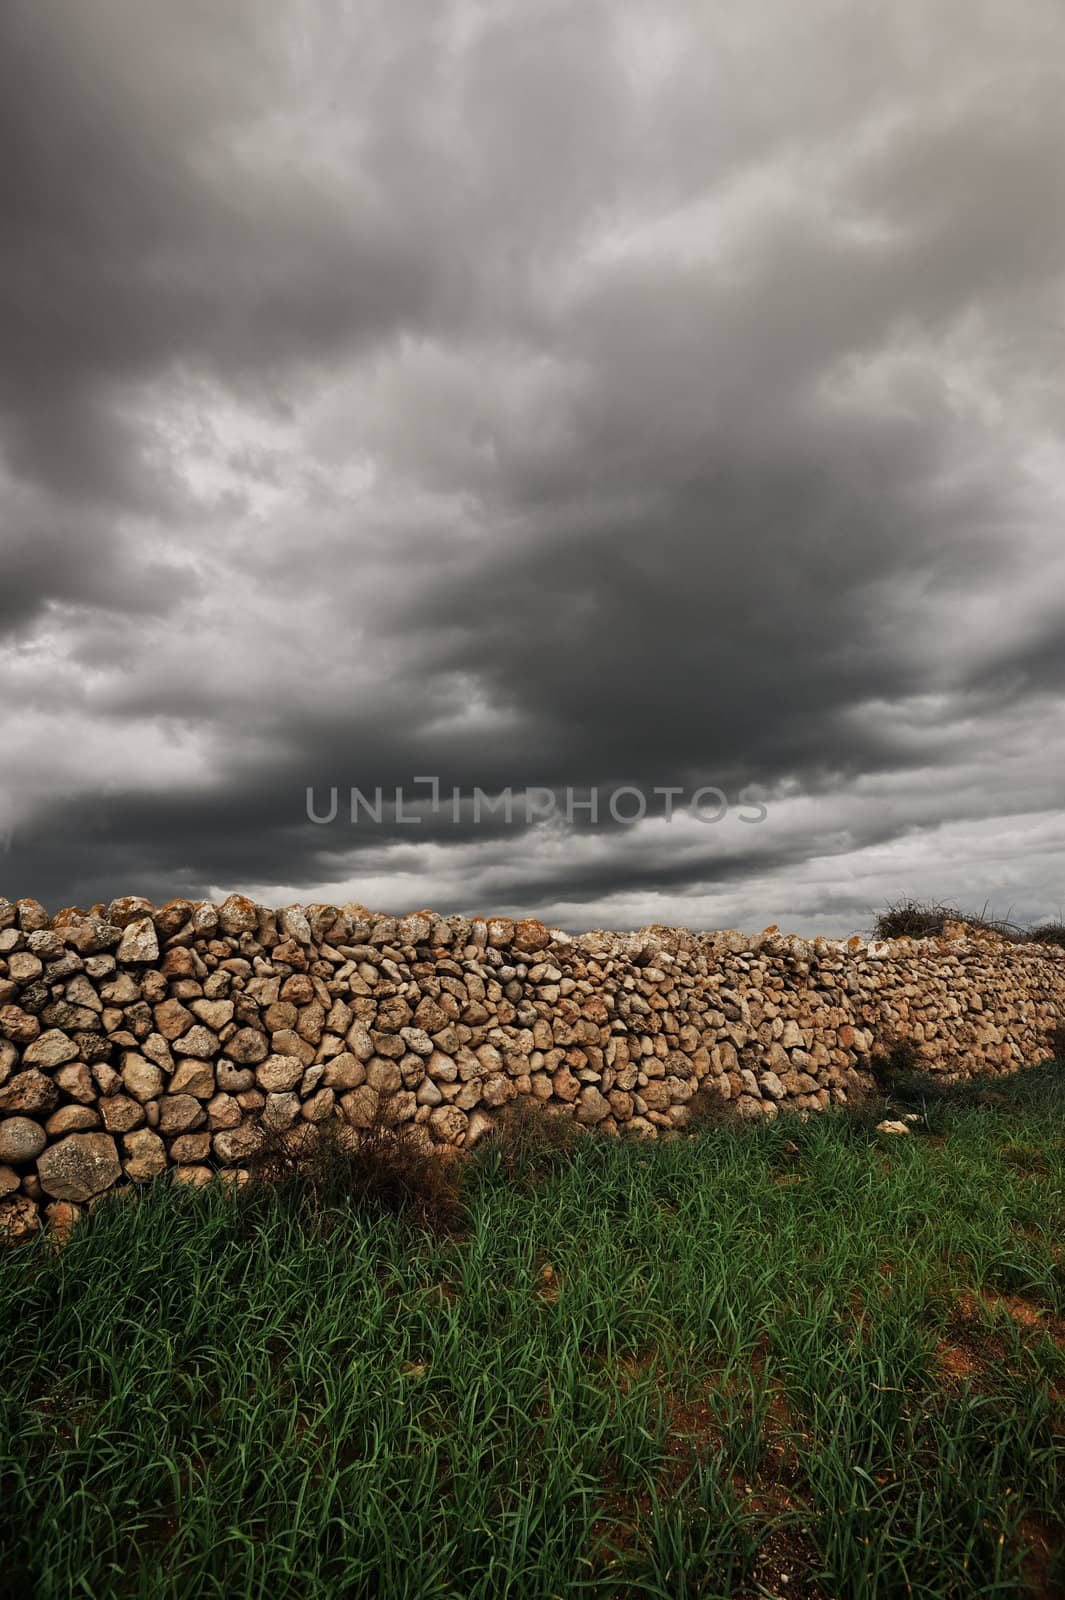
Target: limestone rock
139, 942
81, 1165
52, 1049
28, 1093
19, 1219
180, 1113
21, 1139
145, 1155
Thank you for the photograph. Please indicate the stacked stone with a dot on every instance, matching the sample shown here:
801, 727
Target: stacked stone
136, 1039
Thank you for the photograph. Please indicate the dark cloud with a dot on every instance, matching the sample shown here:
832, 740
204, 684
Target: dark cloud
543, 396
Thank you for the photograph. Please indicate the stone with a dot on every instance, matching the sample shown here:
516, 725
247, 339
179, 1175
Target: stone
19, 1219
293, 923
20, 1026
191, 1147
92, 935
199, 1042
79, 1166
223, 1111
29, 1093
448, 1123
21, 1139
237, 914
9, 1181
281, 1110
247, 1046
145, 1155
139, 942
52, 1049
319, 1106
591, 1105
76, 1082
214, 1014
193, 1077
121, 1114
141, 1078
23, 966
233, 1080
180, 1113
345, 1071
478, 1127
236, 1144
279, 1073
360, 1106
890, 1126
71, 1119
383, 1075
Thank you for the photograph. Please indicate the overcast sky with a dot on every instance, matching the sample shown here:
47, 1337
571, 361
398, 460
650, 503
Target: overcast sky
534, 394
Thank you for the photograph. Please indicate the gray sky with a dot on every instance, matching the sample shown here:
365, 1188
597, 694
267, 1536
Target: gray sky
534, 394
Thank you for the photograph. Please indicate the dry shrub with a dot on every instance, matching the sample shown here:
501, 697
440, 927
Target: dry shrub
893, 1063
384, 1166
926, 919
529, 1142
708, 1110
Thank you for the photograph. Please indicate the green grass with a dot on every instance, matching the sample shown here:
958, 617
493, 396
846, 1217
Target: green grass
797, 1359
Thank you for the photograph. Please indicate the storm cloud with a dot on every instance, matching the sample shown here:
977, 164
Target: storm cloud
541, 394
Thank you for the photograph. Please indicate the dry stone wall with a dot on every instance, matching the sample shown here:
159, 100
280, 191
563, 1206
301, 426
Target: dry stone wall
136, 1038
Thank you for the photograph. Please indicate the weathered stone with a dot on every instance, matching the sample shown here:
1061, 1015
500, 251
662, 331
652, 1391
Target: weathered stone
199, 1042
247, 1046
237, 914
193, 1077
145, 1155
214, 1014
28, 1093
344, 1072
19, 1219
139, 942
23, 966
76, 1081
281, 1110
236, 1144
9, 1181
447, 1123
21, 1139
52, 1049
81, 1165
360, 1106
141, 1078
591, 1106
20, 1026
198, 1176
383, 1075
191, 1147
223, 1111
234, 1079
71, 1119
180, 1113
121, 1114
279, 1073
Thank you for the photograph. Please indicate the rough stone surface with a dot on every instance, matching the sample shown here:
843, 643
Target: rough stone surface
80, 1165
21, 1139
139, 942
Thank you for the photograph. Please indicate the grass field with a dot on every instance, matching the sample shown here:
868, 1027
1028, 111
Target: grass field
799, 1359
